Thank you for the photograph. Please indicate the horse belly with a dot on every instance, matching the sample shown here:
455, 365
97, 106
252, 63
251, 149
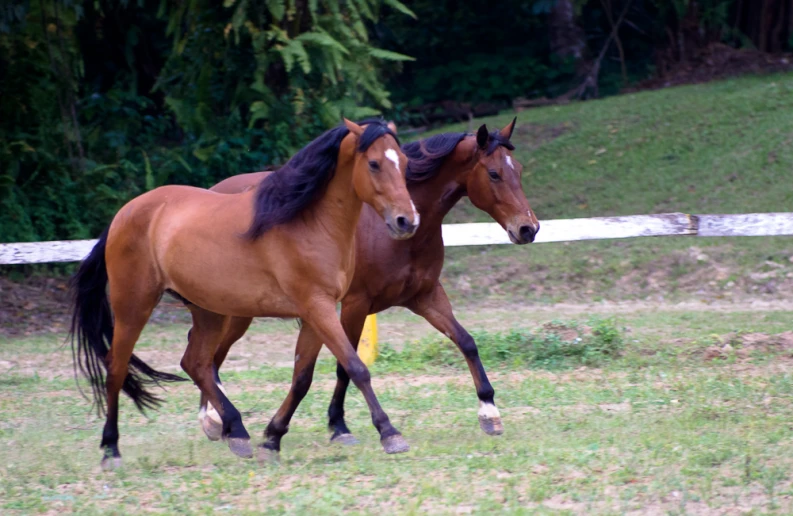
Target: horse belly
223, 276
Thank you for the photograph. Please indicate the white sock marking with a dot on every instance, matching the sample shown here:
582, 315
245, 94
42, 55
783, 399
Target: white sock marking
392, 155
210, 411
488, 410
213, 414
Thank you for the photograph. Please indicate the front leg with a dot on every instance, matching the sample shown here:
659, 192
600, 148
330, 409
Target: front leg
434, 306
322, 316
353, 317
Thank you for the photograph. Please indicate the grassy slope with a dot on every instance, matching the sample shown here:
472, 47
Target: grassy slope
715, 148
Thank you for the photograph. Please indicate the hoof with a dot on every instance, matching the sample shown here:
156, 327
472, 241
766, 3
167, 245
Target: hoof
491, 425
240, 447
111, 463
395, 444
345, 439
267, 456
212, 429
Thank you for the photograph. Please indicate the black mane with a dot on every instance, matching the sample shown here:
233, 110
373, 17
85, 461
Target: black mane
425, 157
282, 195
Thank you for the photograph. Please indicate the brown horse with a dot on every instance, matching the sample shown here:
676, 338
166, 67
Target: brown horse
284, 249
441, 170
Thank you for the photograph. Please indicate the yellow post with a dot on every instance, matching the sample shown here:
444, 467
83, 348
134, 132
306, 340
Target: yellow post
367, 346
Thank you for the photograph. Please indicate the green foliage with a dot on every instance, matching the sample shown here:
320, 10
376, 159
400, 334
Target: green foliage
103, 101
553, 346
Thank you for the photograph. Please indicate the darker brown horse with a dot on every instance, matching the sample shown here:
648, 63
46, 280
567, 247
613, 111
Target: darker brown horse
284, 249
441, 170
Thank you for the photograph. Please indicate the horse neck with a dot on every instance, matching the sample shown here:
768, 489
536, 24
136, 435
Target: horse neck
339, 209
435, 197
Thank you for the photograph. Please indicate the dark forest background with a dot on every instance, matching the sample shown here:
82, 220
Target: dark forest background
101, 100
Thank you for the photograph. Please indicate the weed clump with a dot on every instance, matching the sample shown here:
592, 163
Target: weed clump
554, 345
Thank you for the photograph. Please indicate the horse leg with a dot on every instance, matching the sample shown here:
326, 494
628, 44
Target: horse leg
197, 362
434, 306
306, 351
209, 418
353, 317
322, 316
131, 315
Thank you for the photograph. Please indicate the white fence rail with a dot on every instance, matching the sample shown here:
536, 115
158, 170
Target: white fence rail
562, 230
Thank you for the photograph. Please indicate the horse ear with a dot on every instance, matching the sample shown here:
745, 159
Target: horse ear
354, 128
482, 136
392, 126
507, 131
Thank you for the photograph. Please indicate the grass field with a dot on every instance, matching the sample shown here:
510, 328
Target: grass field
673, 411
677, 399
722, 147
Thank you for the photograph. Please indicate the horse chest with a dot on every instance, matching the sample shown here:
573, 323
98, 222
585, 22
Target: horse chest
405, 286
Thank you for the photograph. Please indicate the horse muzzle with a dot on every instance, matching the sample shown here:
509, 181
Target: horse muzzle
401, 227
523, 233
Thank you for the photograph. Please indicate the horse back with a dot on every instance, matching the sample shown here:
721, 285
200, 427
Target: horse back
240, 183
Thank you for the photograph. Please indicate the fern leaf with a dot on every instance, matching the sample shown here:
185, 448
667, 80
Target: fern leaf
296, 49
388, 55
313, 7
364, 9
286, 56
322, 39
277, 9
399, 6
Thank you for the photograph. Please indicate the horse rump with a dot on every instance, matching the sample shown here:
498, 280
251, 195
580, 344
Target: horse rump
91, 335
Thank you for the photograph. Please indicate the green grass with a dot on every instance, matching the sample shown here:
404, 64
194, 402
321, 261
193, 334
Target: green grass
632, 417
722, 147
639, 415
555, 345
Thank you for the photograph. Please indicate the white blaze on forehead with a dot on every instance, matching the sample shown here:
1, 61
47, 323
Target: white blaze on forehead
416, 216
392, 155
509, 162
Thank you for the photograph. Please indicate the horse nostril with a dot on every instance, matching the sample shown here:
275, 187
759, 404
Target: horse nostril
402, 223
527, 233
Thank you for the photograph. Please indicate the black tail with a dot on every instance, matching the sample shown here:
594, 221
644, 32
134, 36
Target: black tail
92, 328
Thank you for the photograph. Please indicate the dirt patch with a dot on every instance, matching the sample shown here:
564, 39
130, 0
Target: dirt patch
743, 345
718, 61
709, 274
567, 333
534, 136
37, 305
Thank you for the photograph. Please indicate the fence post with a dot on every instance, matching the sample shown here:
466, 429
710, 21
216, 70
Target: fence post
367, 346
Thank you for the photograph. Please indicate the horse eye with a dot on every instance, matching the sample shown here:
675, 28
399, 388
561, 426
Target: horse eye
494, 175
375, 166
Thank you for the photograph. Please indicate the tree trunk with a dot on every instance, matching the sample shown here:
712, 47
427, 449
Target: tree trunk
567, 38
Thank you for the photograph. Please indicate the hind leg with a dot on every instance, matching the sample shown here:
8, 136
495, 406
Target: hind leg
306, 351
131, 316
209, 418
208, 329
